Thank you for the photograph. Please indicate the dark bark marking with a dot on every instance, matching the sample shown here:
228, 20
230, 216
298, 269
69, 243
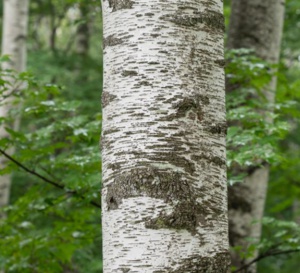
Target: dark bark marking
217, 264
188, 213
212, 19
210, 159
153, 63
186, 105
110, 131
219, 128
127, 73
120, 4
142, 83
111, 40
107, 98
112, 203
221, 62
154, 35
149, 14
194, 105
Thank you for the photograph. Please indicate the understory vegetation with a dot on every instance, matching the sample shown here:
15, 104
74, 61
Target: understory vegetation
53, 220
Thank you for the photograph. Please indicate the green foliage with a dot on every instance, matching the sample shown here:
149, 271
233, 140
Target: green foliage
45, 227
251, 141
53, 221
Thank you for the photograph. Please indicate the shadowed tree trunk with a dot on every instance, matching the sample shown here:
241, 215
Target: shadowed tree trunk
253, 25
83, 32
164, 196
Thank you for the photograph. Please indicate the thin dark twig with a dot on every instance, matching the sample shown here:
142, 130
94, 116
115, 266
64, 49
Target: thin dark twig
53, 183
265, 255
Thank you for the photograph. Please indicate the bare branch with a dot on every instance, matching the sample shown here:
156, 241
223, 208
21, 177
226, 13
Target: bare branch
45, 179
266, 254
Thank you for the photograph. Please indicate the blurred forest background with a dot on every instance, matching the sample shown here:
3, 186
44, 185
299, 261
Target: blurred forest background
52, 222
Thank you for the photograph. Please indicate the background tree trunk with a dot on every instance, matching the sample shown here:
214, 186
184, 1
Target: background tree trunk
254, 25
15, 17
83, 31
164, 167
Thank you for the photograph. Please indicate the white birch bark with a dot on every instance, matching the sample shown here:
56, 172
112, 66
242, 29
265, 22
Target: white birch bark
164, 196
15, 17
254, 25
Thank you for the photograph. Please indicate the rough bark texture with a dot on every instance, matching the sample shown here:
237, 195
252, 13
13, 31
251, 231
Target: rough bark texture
164, 196
255, 25
15, 16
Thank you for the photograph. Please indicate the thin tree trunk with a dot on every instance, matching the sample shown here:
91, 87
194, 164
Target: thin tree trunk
254, 25
164, 197
15, 17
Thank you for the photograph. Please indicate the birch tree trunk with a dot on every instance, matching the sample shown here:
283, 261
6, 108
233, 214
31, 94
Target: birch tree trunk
15, 17
254, 25
164, 196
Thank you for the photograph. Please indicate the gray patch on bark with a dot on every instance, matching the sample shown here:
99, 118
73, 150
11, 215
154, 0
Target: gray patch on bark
127, 73
111, 40
169, 186
190, 107
120, 4
212, 19
219, 128
217, 264
211, 159
221, 62
143, 83
107, 98
150, 14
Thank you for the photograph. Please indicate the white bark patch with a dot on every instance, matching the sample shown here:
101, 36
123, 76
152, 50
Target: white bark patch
163, 139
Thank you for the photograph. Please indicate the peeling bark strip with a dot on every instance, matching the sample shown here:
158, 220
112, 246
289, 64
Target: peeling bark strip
164, 200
